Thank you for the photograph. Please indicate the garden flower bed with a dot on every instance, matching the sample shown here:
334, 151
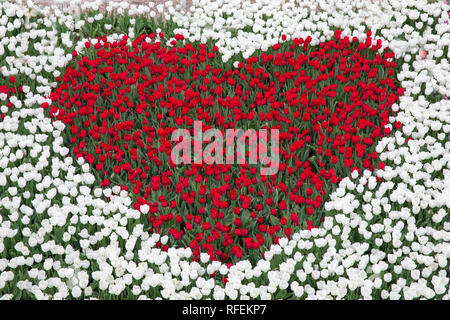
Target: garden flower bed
94, 206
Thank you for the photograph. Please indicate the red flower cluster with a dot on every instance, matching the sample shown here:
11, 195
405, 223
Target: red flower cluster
330, 104
8, 91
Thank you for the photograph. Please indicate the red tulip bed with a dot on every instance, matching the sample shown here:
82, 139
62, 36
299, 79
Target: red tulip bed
330, 103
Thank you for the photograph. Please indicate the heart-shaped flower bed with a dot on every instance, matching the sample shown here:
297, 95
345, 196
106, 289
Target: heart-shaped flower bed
329, 103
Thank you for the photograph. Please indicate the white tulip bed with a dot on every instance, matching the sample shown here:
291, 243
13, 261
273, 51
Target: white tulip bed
64, 237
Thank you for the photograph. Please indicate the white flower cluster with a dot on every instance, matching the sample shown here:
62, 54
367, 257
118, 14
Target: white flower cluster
62, 237
245, 26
